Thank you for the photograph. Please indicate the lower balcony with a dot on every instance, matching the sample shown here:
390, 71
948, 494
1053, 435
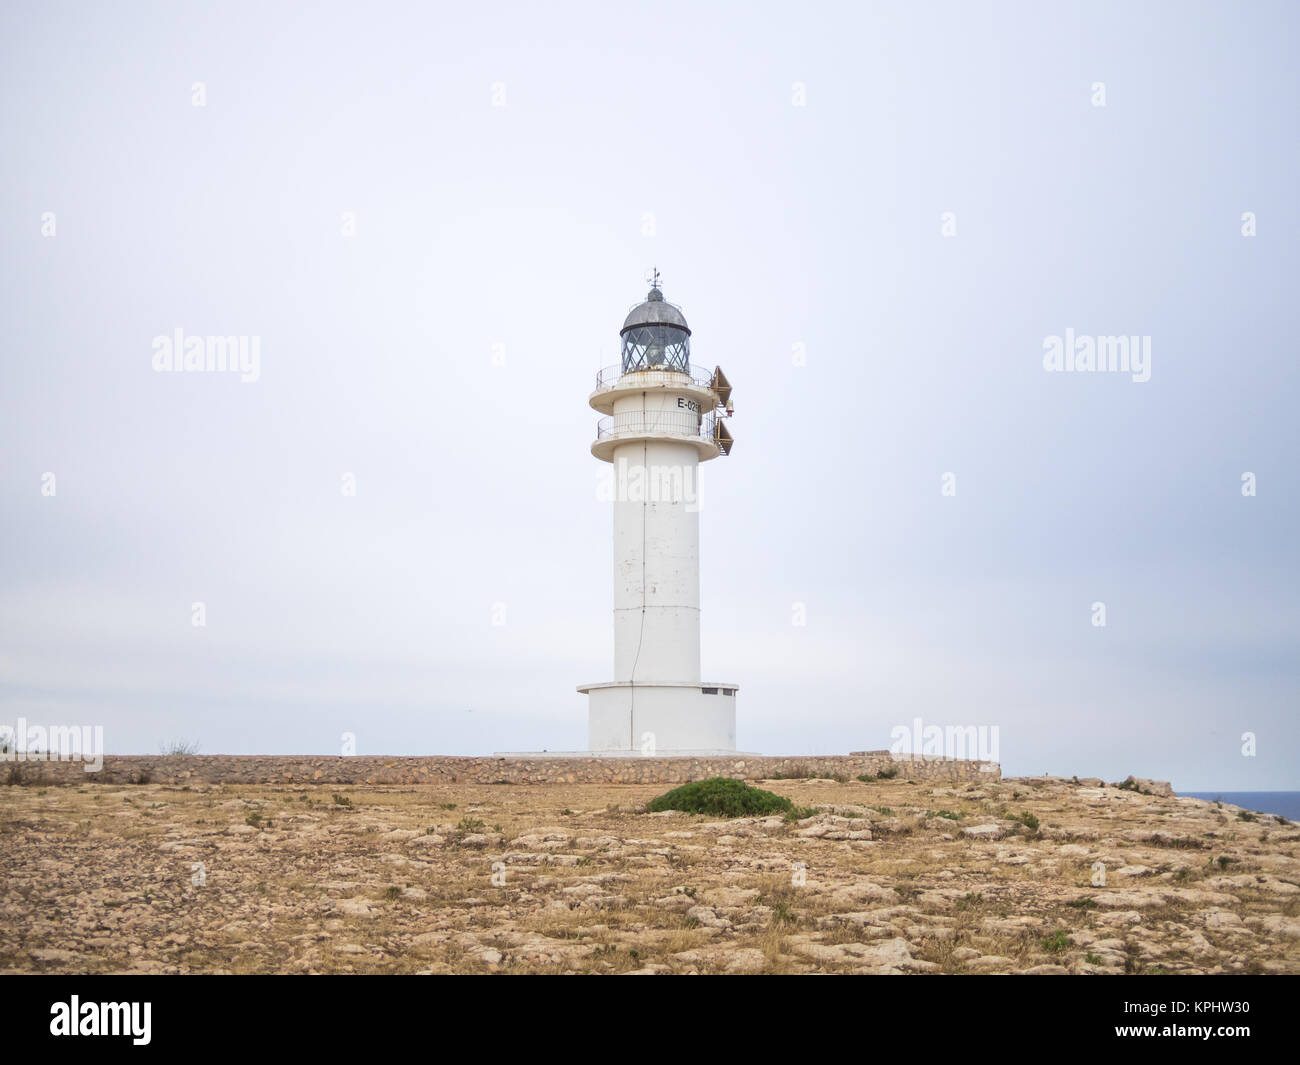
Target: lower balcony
705, 431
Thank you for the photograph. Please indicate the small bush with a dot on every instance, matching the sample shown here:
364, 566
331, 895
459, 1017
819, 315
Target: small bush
469, 824
888, 774
342, 800
1245, 815
721, 797
1057, 941
182, 747
781, 913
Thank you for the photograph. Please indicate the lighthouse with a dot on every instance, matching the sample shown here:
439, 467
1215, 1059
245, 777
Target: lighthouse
662, 417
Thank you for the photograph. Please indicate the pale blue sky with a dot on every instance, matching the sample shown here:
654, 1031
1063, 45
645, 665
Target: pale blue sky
773, 225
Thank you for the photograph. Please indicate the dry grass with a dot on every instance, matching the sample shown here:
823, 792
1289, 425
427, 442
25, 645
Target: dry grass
99, 878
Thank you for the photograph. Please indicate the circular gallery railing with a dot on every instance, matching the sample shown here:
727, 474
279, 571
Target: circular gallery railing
612, 375
636, 423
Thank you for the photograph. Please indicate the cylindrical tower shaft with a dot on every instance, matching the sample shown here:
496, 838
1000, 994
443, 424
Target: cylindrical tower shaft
657, 564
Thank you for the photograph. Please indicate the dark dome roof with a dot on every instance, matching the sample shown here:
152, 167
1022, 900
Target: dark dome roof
655, 311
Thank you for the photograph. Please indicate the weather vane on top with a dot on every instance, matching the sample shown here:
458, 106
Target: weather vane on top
654, 277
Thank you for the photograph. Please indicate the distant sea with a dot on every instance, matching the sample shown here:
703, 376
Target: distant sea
1286, 803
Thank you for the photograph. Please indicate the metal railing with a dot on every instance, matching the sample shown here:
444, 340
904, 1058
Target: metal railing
612, 375
682, 423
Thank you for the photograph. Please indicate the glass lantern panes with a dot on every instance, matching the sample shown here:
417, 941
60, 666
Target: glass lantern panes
656, 347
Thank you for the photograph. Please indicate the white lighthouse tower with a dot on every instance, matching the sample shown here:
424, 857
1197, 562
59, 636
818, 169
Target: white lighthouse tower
663, 418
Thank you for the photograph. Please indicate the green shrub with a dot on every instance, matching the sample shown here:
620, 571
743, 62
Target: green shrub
781, 913
1057, 941
721, 797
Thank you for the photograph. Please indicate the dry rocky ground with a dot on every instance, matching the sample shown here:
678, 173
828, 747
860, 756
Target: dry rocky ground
885, 877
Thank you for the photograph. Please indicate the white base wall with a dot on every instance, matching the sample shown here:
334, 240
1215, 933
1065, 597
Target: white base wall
660, 718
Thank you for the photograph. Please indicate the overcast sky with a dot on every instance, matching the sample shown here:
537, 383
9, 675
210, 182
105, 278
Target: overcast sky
510, 173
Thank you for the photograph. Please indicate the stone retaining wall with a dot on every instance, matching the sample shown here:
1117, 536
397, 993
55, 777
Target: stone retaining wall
375, 769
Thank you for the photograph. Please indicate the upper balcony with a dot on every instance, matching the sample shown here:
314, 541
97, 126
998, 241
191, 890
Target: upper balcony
612, 375
614, 381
